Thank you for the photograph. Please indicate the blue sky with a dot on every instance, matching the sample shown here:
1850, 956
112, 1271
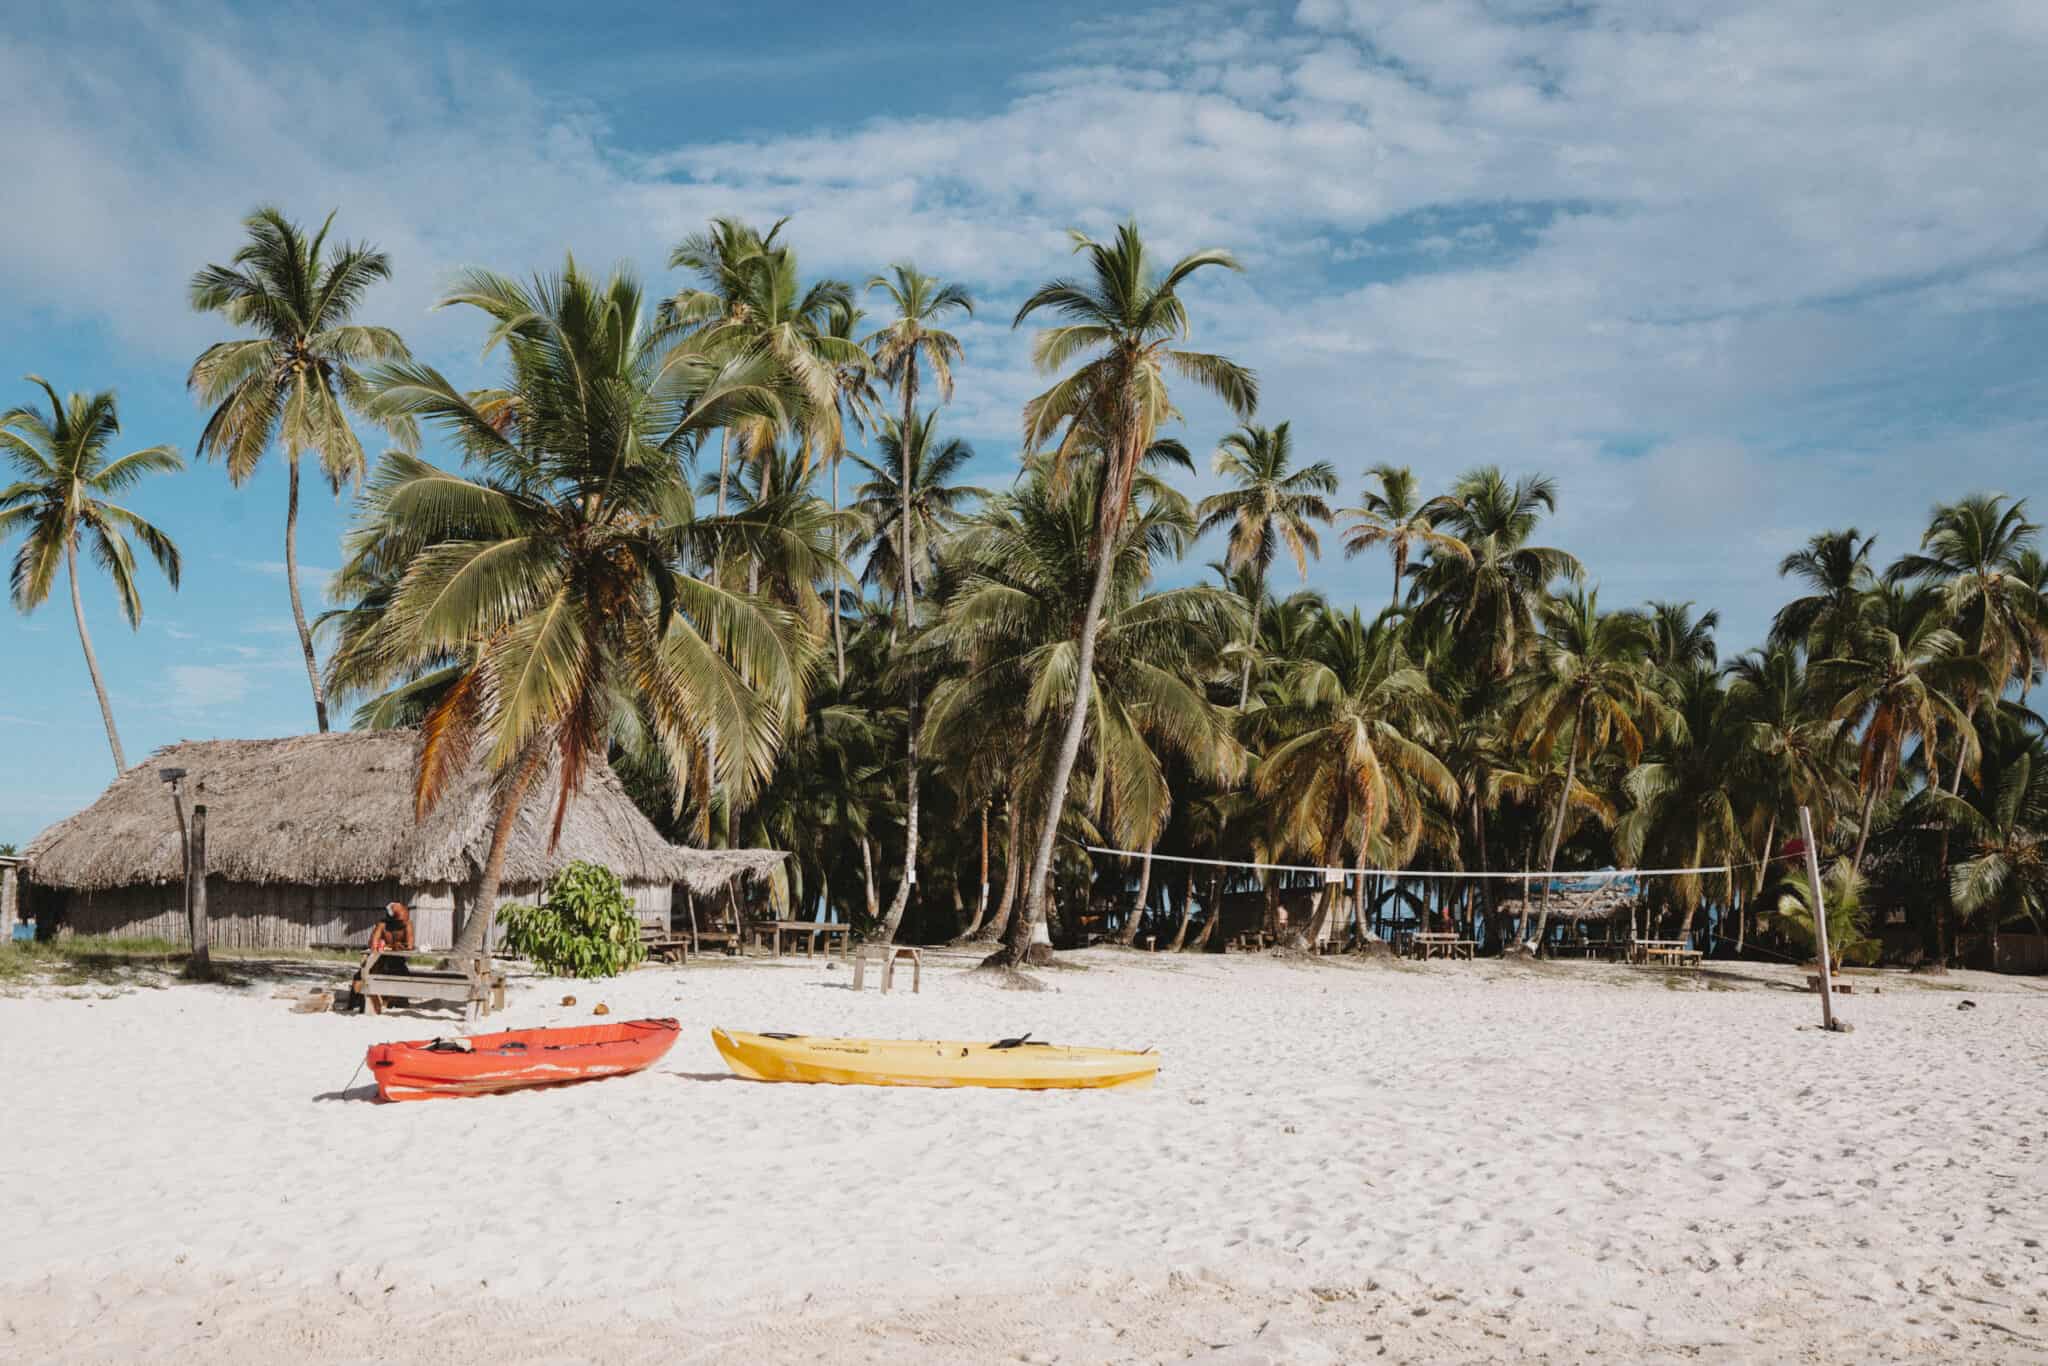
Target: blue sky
1731, 279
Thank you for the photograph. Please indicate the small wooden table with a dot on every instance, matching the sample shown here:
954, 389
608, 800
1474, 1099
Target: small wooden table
1671, 953
1440, 944
665, 946
809, 932
476, 988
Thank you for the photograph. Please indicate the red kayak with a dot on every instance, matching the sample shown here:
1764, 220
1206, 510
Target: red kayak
516, 1059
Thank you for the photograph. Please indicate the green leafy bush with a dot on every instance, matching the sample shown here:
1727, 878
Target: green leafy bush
584, 926
1844, 889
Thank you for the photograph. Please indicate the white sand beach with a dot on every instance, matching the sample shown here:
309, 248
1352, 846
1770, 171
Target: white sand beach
1341, 1162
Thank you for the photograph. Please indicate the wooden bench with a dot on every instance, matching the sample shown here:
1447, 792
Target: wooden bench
1426, 944
476, 987
664, 945
1668, 953
809, 932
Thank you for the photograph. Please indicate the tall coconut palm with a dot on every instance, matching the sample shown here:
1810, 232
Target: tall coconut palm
552, 579
2003, 876
1494, 593
1119, 330
1789, 751
295, 382
1904, 682
858, 404
1342, 759
936, 502
1835, 568
901, 348
1271, 504
1972, 552
1591, 691
1027, 565
62, 496
1396, 516
1681, 642
1684, 811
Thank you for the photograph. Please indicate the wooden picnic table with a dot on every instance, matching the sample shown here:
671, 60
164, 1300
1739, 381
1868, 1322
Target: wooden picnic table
1676, 953
1426, 944
771, 932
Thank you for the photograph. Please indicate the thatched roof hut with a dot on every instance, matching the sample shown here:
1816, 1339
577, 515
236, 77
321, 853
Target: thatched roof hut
1582, 897
324, 823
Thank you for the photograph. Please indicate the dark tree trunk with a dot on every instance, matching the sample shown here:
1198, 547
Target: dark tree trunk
1128, 935
291, 579
476, 929
1013, 874
92, 662
1564, 800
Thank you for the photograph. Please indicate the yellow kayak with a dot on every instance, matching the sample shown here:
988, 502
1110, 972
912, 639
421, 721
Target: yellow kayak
1017, 1063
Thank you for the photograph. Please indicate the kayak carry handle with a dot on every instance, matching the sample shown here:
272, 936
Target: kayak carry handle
1019, 1042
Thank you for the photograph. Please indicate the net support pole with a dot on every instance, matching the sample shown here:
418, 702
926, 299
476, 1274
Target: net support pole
1820, 923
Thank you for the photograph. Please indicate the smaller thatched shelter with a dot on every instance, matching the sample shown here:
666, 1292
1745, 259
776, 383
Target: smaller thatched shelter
1582, 897
308, 838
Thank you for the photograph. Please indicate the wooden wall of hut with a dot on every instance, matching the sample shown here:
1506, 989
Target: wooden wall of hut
244, 915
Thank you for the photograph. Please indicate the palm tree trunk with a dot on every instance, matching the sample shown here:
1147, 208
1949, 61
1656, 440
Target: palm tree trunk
1013, 874
1863, 822
1564, 799
1187, 910
1128, 935
1018, 947
476, 929
981, 904
724, 464
92, 663
1215, 916
291, 578
838, 638
1400, 568
867, 871
1244, 679
909, 591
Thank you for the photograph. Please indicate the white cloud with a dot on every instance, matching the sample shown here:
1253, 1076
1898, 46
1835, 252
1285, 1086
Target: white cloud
1751, 240
197, 687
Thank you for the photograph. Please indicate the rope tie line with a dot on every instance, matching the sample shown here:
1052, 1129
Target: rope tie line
1602, 876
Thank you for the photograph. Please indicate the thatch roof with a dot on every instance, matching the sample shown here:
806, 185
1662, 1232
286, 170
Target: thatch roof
337, 809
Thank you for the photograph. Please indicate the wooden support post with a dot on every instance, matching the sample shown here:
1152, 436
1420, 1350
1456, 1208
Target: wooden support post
1820, 923
195, 888
10, 898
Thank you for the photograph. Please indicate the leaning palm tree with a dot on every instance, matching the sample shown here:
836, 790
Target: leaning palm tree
550, 582
2003, 877
1790, 755
1272, 504
1592, 691
295, 382
62, 495
1904, 681
1973, 552
1684, 811
1120, 325
907, 343
1397, 517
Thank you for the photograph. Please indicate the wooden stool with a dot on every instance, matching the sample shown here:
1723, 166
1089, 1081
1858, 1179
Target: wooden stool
889, 953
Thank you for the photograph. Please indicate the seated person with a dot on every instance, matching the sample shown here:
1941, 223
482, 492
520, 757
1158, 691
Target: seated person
393, 934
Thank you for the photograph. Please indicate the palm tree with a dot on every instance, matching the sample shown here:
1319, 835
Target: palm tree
296, 381
1272, 504
1835, 566
1789, 751
1844, 892
1973, 552
550, 582
2003, 878
1343, 760
1680, 642
1494, 593
1120, 325
1027, 567
900, 348
1591, 691
62, 495
858, 404
1901, 684
1396, 517
1684, 813
936, 503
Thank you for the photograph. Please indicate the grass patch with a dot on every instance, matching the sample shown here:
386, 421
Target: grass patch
98, 960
